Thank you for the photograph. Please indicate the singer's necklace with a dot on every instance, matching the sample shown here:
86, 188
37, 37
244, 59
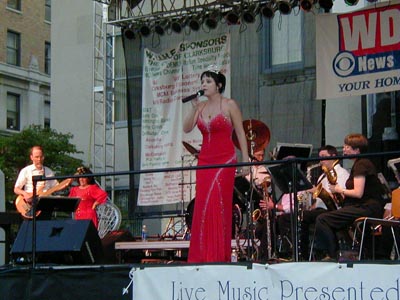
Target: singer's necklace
209, 114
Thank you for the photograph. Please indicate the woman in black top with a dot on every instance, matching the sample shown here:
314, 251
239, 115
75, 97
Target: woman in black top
362, 197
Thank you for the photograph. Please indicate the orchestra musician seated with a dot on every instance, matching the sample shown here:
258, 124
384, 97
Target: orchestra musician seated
321, 201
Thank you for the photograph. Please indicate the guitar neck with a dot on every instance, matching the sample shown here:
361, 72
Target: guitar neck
62, 185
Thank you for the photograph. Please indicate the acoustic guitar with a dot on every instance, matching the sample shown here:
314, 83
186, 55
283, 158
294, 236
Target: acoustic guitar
26, 209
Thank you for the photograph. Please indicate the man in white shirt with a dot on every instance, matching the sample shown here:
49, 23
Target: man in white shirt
24, 185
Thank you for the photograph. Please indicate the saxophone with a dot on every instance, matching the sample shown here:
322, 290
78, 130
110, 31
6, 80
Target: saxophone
332, 178
259, 215
319, 191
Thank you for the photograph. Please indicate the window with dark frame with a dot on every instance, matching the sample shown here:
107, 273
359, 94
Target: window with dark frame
47, 58
14, 4
283, 43
13, 48
47, 114
13, 111
47, 11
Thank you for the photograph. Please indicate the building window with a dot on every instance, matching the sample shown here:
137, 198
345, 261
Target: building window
47, 10
13, 111
13, 48
14, 4
47, 58
283, 43
47, 114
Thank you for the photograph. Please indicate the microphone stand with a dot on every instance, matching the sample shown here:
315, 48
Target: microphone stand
35, 180
294, 212
250, 208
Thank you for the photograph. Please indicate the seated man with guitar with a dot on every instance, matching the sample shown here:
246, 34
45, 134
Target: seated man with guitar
24, 184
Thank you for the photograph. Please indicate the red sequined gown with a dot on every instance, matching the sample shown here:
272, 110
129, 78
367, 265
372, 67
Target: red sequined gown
212, 217
88, 196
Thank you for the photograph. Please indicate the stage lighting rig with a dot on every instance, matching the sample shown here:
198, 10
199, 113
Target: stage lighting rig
326, 5
232, 17
249, 13
351, 2
268, 10
176, 25
159, 27
212, 18
194, 22
306, 5
144, 30
129, 32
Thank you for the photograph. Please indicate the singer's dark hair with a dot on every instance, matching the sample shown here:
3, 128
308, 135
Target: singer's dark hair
218, 77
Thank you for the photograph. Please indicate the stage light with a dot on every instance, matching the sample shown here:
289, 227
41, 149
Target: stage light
211, 20
145, 30
232, 17
284, 7
176, 26
306, 5
194, 23
351, 2
268, 10
248, 14
326, 5
159, 28
129, 32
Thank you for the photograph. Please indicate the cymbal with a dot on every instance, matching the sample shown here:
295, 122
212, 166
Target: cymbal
191, 149
257, 133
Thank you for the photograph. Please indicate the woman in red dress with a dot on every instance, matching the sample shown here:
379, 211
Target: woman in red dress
216, 119
91, 196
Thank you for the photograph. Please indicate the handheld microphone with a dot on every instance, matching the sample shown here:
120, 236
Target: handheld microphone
191, 97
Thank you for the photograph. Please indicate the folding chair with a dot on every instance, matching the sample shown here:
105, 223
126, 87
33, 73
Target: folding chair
375, 223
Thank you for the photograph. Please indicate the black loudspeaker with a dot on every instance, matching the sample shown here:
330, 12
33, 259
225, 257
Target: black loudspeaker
108, 242
59, 242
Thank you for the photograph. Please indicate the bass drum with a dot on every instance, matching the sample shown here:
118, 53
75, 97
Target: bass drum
236, 216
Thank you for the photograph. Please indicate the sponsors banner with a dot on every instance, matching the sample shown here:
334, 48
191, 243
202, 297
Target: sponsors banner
168, 77
285, 281
358, 53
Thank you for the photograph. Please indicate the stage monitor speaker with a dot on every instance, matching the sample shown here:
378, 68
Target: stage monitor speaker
59, 242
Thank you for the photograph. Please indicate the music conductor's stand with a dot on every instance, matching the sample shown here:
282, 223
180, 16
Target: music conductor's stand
284, 176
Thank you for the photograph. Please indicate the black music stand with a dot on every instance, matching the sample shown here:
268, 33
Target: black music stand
283, 177
290, 180
52, 204
283, 150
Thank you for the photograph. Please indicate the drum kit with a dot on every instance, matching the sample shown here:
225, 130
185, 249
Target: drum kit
245, 194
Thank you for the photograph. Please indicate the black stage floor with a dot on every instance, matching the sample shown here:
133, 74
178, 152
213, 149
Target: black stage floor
47, 282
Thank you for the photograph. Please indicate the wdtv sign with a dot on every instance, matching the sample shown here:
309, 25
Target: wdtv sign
361, 52
369, 41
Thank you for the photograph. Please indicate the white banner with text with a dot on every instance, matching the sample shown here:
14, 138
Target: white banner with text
284, 281
168, 77
358, 53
